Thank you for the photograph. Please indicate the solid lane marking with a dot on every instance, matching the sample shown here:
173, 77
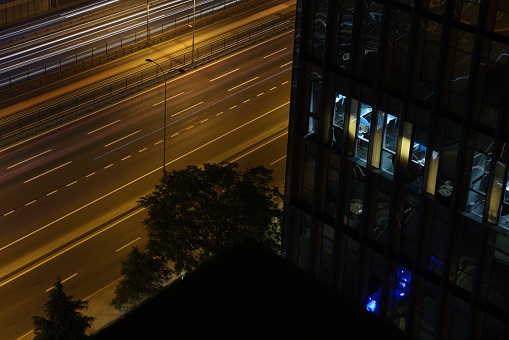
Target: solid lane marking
136, 180
127, 245
274, 53
162, 101
118, 140
250, 80
23, 272
223, 75
26, 160
190, 107
47, 172
277, 160
259, 146
105, 126
70, 277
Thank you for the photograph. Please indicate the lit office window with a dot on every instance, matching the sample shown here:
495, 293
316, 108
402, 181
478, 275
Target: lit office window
398, 297
339, 111
389, 143
418, 157
479, 176
363, 130
338, 119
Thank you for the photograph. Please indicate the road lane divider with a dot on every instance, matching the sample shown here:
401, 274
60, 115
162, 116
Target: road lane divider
69, 245
51, 193
105, 126
250, 80
142, 150
256, 146
118, 140
107, 166
62, 281
127, 245
190, 107
26, 160
224, 75
277, 160
162, 101
268, 55
72, 183
47, 172
90, 174
123, 159
286, 64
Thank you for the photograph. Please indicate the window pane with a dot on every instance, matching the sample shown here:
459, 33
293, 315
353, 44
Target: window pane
363, 131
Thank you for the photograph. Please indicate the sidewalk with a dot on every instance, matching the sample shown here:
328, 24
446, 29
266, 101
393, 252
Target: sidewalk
99, 307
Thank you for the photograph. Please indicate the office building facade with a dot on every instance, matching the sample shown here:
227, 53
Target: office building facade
397, 188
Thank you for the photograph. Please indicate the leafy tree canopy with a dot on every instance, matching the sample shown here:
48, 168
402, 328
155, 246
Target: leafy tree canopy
143, 276
195, 213
64, 320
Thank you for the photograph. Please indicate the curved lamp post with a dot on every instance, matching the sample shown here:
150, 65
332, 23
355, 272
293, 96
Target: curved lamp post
164, 128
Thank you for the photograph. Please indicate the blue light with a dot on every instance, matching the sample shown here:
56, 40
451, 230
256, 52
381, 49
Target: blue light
372, 306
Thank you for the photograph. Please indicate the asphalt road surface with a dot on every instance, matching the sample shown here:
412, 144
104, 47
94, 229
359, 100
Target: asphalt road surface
59, 185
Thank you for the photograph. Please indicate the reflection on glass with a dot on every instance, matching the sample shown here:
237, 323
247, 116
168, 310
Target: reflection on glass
418, 160
363, 130
478, 182
339, 111
389, 143
312, 125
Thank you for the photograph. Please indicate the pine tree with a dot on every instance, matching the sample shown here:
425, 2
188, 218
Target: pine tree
64, 320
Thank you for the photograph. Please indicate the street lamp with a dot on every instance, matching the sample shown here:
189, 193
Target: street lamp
164, 128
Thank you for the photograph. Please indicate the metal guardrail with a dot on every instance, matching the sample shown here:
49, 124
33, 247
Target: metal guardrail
125, 45
39, 118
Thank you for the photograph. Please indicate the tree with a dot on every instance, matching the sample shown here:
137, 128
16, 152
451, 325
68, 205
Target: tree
64, 320
195, 213
143, 276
